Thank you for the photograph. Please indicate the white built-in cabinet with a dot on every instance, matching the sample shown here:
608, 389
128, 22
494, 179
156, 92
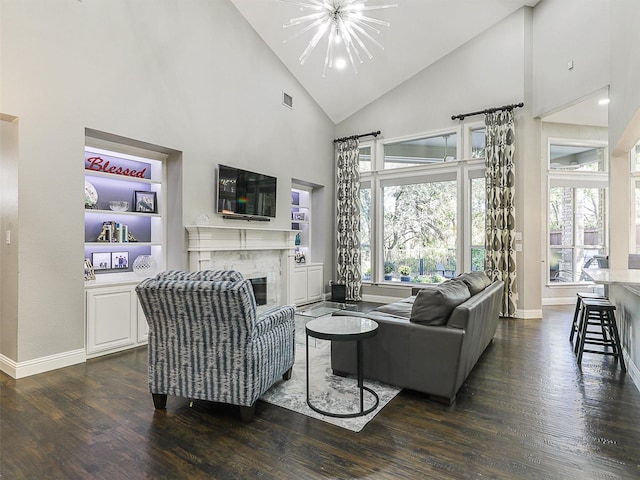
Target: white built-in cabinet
114, 318
308, 283
308, 277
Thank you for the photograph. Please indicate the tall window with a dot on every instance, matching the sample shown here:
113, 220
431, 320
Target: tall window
635, 177
420, 222
365, 232
577, 210
421, 151
420, 229
478, 230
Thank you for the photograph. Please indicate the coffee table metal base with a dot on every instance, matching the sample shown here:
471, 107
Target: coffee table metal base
360, 386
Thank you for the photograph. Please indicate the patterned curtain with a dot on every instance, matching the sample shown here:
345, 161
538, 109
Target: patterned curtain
500, 215
348, 212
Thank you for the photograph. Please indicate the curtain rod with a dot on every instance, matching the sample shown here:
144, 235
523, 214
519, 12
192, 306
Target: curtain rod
462, 116
353, 137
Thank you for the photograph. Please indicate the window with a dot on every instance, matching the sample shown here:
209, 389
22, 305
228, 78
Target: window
420, 229
478, 142
577, 209
416, 211
365, 232
635, 207
478, 229
577, 158
365, 159
422, 151
576, 231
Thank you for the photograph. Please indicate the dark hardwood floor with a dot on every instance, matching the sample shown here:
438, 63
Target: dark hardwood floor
526, 412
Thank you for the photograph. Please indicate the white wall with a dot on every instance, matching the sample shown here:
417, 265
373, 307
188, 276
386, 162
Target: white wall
8, 223
191, 76
563, 31
625, 75
624, 121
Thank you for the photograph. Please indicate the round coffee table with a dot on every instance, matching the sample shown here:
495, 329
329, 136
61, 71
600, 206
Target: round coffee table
342, 328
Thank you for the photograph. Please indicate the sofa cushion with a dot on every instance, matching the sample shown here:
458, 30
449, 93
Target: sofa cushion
398, 309
475, 281
434, 305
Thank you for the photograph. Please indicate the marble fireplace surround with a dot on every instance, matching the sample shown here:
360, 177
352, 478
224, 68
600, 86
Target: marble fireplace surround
254, 252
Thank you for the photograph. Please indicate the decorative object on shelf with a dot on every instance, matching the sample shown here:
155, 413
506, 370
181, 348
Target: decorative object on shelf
99, 164
89, 274
299, 216
297, 240
300, 257
119, 205
203, 219
144, 265
346, 25
120, 260
144, 201
113, 232
90, 195
101, 260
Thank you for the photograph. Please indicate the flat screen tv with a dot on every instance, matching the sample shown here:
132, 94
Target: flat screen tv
246, 195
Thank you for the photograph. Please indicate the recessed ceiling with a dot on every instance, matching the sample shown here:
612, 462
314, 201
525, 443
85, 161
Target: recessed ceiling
421, 32
588, 111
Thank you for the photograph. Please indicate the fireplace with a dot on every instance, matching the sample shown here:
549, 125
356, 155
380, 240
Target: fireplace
264, 256
259, 290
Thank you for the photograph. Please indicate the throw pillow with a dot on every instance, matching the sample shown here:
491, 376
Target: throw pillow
433, 306
475, 281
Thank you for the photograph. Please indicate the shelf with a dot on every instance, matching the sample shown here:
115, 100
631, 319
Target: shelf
115, 212
123, 178
119, 244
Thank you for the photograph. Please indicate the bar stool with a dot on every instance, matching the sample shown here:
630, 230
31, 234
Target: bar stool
599, 313
577, 314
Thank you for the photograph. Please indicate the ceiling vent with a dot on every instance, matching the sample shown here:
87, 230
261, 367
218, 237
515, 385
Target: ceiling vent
287, 100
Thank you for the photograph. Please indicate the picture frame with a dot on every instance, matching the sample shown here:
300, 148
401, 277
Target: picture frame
89, 274
299, 216
144, 201
120, 260
101, 260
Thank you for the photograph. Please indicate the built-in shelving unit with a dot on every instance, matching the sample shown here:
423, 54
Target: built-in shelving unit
114, 239
308, 276
301, 223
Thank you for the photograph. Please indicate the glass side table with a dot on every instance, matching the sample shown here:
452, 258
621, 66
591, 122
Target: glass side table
343, 328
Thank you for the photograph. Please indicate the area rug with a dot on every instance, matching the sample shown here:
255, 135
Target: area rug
327, 391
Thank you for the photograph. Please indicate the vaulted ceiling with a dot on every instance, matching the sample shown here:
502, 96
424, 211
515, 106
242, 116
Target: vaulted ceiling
421, 32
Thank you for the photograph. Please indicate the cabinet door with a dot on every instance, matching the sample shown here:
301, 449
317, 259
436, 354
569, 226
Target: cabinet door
143, 326
111, 318
299, 285
315, 282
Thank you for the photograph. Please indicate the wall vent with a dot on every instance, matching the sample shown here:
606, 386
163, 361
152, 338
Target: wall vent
287, 100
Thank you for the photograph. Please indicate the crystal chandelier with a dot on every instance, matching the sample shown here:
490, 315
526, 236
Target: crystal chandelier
344, 22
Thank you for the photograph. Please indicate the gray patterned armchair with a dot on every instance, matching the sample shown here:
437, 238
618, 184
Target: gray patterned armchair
206, 341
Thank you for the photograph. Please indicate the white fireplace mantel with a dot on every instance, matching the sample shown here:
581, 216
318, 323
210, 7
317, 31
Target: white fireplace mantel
222, 247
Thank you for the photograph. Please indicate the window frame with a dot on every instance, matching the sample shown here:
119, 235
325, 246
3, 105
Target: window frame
574, 179
461, 169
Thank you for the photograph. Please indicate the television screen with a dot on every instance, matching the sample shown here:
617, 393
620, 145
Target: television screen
246, 194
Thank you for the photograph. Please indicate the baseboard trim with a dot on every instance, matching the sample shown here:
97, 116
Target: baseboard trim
43, 364
527, 314
632, 368
551, 301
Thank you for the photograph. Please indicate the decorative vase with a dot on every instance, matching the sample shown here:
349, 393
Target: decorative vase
144, 265
297, 242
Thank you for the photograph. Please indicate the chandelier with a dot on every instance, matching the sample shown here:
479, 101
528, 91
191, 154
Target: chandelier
345, 24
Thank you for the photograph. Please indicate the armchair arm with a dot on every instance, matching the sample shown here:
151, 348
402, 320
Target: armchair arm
274, 317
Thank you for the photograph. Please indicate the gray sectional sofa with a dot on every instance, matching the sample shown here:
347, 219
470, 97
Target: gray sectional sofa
428, 342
